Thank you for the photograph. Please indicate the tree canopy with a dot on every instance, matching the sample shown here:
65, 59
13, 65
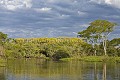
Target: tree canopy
98, 32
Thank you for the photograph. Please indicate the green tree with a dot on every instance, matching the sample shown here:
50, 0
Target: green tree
3, 37
115, 42
91, 37
103, 28
98, 31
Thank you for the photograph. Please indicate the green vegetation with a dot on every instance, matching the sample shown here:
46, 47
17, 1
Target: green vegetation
98, 32
3, 38
2, 62
44, 47
94, 59
100, 59
93, 42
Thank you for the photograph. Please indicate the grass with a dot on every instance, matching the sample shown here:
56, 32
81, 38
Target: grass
67, 59
94, 59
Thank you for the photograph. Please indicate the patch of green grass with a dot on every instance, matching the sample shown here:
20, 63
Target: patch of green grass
67, 59
94, 59
91, 59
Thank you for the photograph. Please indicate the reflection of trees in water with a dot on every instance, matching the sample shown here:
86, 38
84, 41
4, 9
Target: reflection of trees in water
114, 71
48, 69
96, 73
74, 70
108, 71
117, 70
2, 75
104, 71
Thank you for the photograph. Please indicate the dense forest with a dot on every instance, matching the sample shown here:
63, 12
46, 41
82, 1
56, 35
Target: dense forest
91, 42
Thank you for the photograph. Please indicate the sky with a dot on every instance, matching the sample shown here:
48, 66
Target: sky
55, 18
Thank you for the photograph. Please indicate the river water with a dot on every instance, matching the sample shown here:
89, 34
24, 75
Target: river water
39, 69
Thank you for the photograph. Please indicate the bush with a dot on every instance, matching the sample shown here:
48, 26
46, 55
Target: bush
60, 54
112, 51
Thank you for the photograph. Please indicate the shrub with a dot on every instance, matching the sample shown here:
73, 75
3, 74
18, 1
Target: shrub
60, 54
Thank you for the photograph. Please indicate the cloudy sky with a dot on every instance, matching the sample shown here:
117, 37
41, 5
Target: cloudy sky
55, 18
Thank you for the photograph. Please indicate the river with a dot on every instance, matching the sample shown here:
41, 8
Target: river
39, 69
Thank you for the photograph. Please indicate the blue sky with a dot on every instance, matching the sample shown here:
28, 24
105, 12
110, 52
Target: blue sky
55, 18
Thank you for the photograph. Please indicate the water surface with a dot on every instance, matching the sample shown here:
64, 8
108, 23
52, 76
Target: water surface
37, 69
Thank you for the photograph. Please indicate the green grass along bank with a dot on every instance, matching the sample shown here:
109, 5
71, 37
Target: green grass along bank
94, 59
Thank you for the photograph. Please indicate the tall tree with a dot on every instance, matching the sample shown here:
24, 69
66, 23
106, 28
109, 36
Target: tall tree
98, 31
103, 28
91, 37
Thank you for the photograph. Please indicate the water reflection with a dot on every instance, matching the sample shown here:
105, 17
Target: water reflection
95, 72
36, 69
104, 71
2, 75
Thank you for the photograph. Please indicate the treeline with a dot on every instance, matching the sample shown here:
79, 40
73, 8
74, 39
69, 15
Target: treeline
55, 48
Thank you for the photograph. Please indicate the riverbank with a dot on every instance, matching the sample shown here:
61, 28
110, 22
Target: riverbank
94, 59
83, 59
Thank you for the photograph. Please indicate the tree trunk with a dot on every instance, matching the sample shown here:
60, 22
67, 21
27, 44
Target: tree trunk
104, 45
93, 45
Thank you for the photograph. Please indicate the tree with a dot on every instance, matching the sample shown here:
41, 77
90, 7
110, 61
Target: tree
103, 28
98, 31
91, 36
3, 37
115, 42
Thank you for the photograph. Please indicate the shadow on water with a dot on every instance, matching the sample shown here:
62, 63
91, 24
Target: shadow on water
40, 69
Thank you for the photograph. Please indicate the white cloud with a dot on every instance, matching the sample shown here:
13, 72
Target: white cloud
65, 17
45, 9
15, 4
108, 1
81, 13
57, 1
114, 3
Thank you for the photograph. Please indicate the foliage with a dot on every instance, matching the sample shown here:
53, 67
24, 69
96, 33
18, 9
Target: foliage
115, 42
60, 54
43, 47
3, 37
95, 59
98, 32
